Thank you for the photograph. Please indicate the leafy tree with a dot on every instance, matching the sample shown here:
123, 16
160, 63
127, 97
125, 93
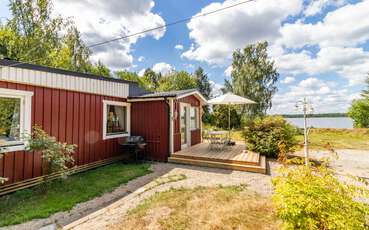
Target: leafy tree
151, 79
177, 81
254, 76
132, 76
35, 35
359, 110
220, 117
203, 85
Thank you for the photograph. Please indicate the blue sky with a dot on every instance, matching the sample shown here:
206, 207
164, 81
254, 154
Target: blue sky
320, 47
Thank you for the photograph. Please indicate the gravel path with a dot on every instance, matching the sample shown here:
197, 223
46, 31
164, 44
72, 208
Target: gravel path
178, 176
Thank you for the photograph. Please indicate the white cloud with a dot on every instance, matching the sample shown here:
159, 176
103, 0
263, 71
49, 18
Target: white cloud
216, 89
141, 72
288, 80
163, 68
350, 63
100, 20
140, 58
215, 37
345, 26
325, 96
317, 6
178, 47
228, 71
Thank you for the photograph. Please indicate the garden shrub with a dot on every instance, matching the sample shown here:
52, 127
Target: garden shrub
265, 135
313, 198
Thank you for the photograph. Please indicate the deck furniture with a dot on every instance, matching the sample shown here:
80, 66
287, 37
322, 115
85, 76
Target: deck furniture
217, 140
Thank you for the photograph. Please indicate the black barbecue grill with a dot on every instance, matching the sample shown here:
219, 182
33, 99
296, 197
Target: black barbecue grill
136, 146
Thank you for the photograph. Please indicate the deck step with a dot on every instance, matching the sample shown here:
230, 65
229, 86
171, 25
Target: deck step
255, 161
261, 168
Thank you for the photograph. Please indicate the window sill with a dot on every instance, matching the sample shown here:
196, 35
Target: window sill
13, 148
107, 137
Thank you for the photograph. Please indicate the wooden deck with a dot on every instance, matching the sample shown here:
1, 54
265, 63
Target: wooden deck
231, 157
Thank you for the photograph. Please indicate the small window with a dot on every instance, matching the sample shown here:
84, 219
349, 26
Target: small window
15, 119
116, 119
194, 118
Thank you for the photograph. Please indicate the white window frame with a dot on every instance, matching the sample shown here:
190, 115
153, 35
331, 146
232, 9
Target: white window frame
105, 115
25, 118
197, 117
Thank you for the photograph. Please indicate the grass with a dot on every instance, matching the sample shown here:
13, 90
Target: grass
338, 138
64, 194
232, 207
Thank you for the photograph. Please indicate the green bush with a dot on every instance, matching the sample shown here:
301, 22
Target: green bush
359, 112
265, 135
313, 198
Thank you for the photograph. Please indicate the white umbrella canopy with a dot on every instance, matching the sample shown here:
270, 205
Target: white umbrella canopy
230, 99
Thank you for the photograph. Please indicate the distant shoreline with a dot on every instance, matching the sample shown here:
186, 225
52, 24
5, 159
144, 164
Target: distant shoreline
315, 115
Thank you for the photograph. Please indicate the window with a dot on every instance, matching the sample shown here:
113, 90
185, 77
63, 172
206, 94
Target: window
15, 119
194, 118
116, 119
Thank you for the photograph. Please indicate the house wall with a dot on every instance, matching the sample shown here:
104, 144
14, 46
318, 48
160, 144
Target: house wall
72, 117
149, 119
195, 134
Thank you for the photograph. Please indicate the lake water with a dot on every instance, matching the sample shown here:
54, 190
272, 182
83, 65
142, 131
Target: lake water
324, 122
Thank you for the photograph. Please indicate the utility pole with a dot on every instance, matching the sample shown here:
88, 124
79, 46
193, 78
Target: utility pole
306, 108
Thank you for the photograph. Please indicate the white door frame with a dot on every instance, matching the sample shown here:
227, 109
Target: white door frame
187, 107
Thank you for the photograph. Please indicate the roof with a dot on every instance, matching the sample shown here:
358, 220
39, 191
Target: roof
176, 94
23, 65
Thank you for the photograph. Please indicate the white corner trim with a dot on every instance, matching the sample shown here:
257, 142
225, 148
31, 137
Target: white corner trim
105, 115
171, 125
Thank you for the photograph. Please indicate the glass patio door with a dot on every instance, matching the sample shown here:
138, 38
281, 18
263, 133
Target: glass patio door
184, 125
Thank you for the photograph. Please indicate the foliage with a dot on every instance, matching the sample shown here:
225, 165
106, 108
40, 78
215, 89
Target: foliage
265, 135
63, 195
359, 112
313, 198
203, 85
177, 81
35, 34
221, 116
254, 76
151, 80
56, 156
365, 92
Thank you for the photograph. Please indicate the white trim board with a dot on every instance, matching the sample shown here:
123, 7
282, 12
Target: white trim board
62, 81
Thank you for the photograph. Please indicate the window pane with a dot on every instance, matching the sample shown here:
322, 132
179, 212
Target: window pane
116, 119
9, 120
193, 116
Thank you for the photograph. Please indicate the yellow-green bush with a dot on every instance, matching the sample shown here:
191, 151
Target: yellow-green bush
313, 198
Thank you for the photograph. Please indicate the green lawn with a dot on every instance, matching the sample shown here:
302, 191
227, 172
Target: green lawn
338, 138
63, 195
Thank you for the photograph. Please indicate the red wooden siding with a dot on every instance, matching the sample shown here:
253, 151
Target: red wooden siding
71, 117
195, 137
195, 134
150, 120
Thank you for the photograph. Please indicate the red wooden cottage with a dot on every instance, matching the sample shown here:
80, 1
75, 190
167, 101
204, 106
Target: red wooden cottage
93, 112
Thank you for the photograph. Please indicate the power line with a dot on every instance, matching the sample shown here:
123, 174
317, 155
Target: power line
169, 24
152, 29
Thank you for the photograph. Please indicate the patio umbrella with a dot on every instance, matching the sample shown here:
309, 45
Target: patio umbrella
230, 99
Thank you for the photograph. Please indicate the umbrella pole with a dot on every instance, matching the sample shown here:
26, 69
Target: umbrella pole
229, 123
